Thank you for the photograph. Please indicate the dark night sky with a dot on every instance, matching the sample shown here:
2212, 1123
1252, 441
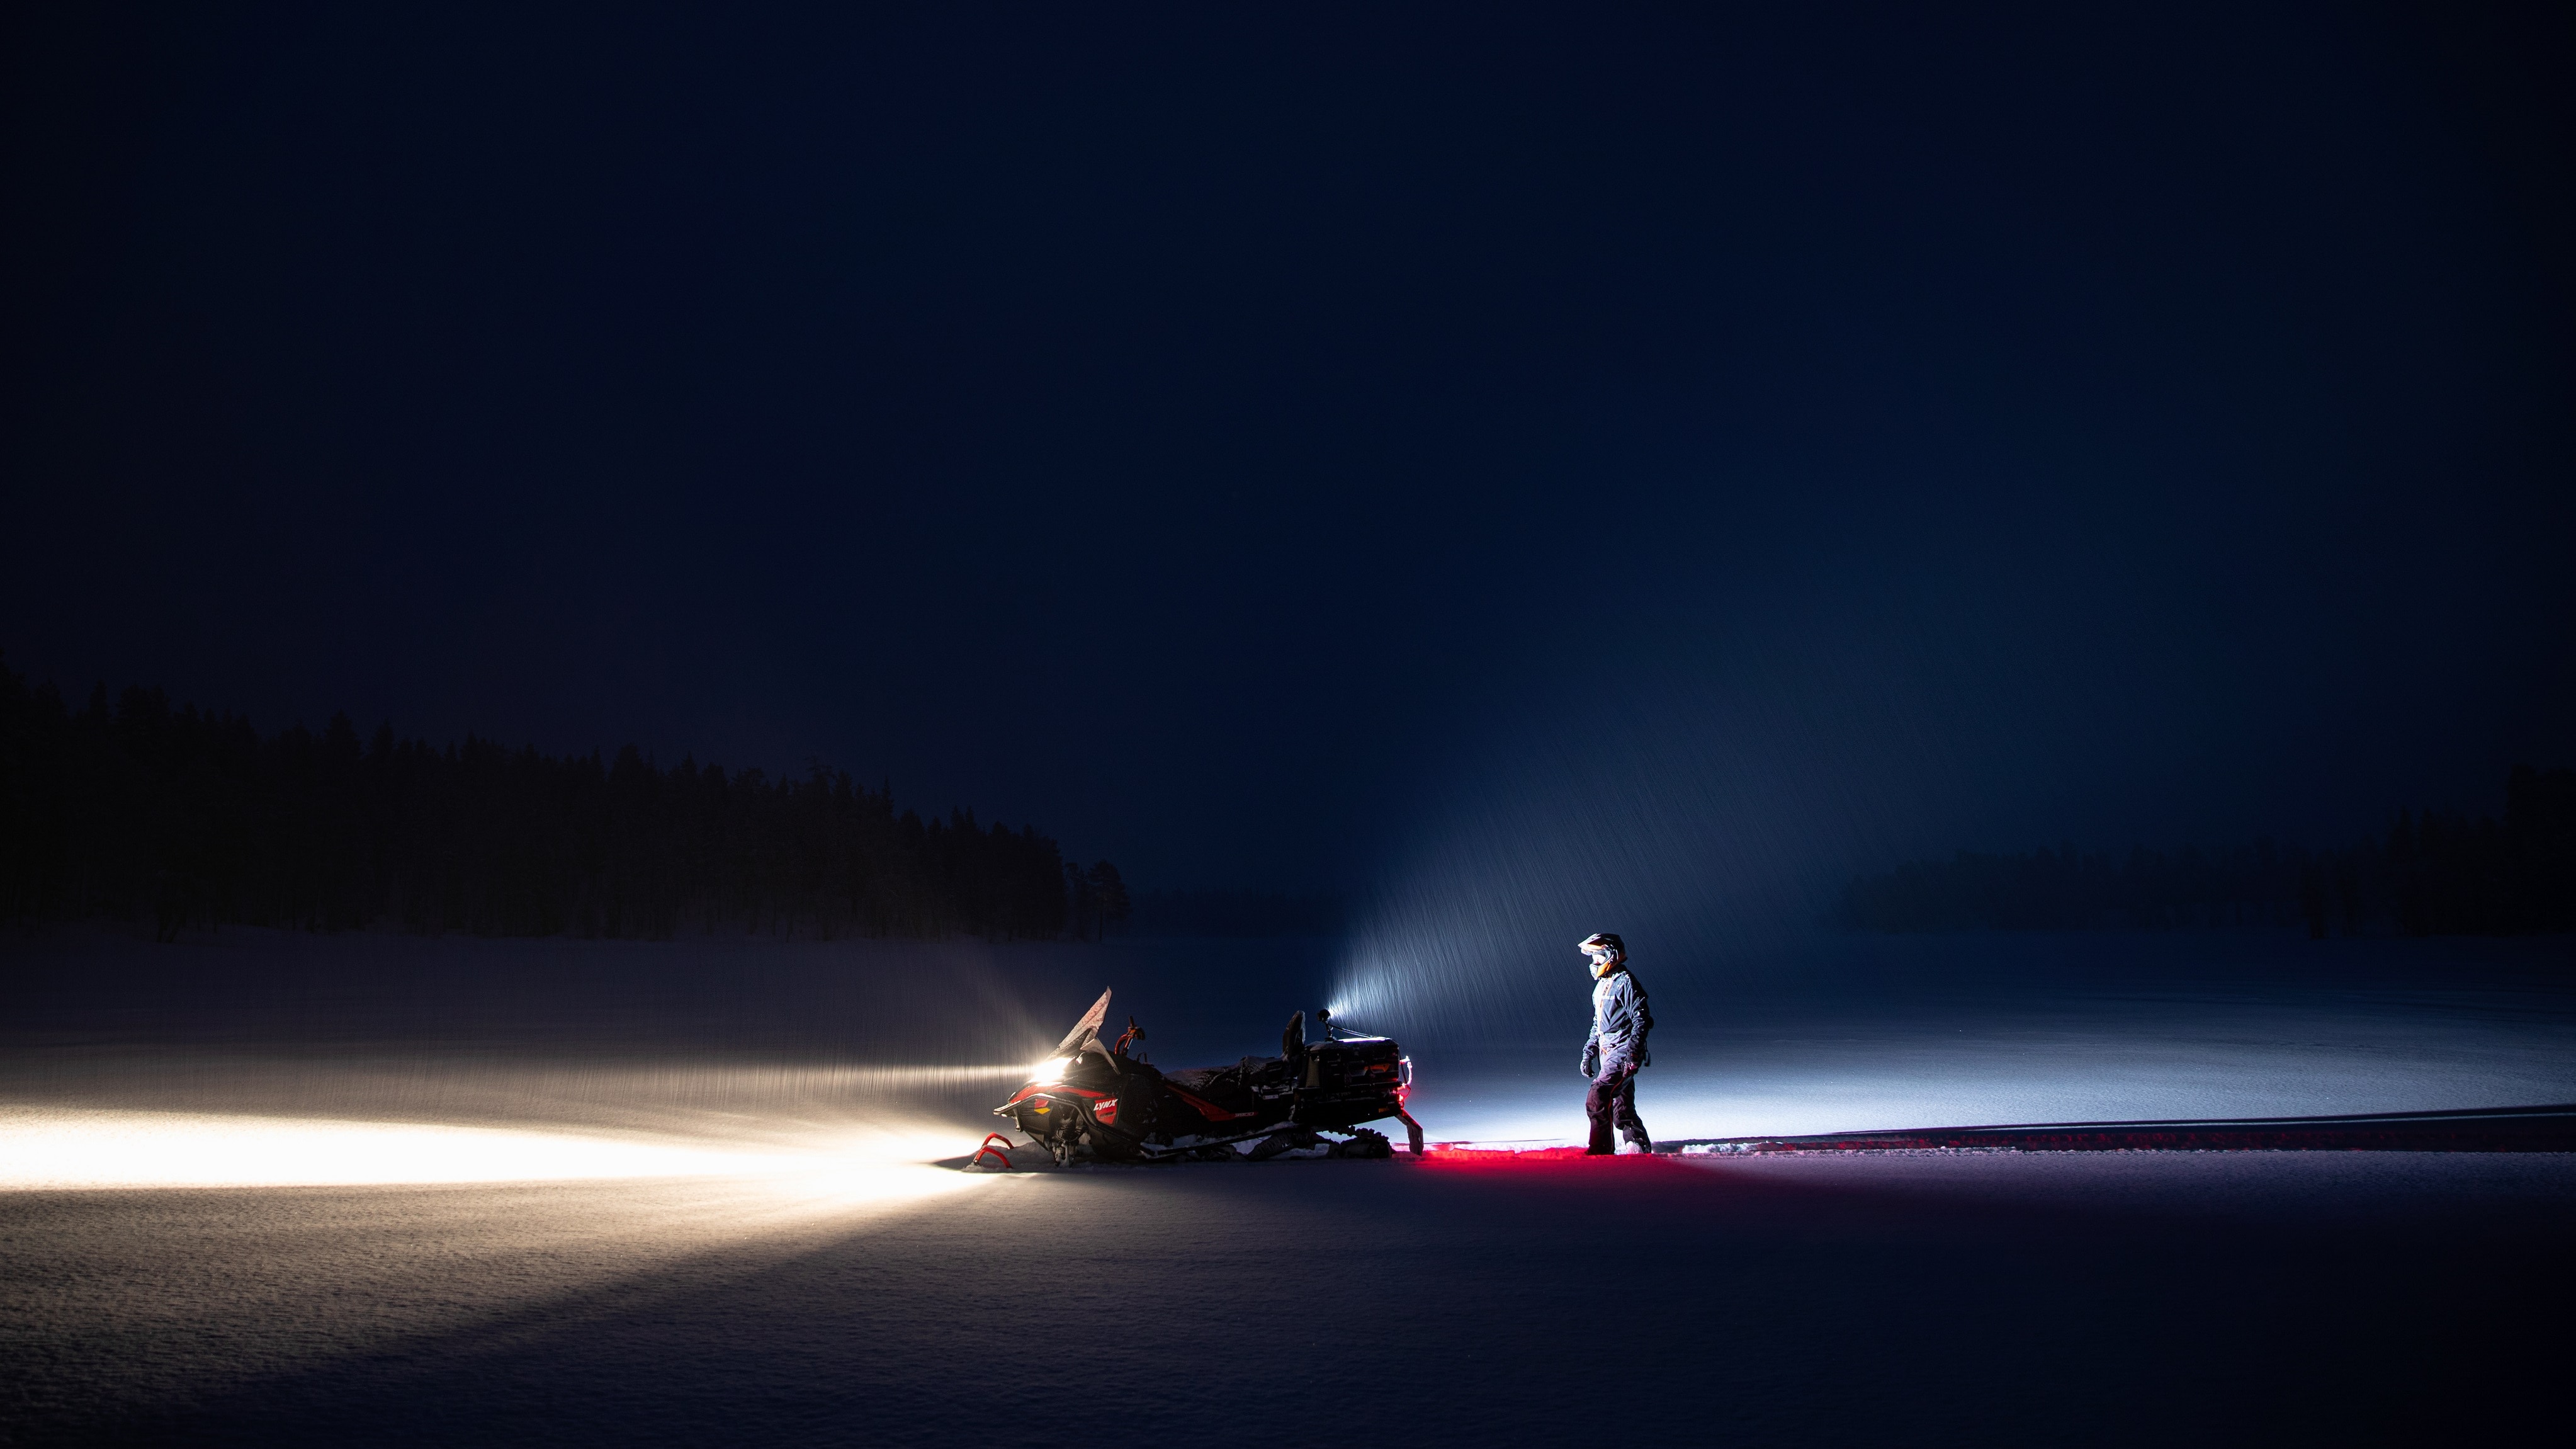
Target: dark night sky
1283, 444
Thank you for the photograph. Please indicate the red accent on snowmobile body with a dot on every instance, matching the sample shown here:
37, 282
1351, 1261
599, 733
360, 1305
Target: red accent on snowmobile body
1205, 1108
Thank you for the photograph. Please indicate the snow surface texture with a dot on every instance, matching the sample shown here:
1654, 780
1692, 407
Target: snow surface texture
2079, 1298
2139, 1058
358, 1191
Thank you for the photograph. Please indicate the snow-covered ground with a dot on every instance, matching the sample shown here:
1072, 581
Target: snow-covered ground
1801, 1069
2118, 1298
324, 1191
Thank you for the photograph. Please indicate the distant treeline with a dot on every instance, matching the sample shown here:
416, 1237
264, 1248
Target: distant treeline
1235, 913
140, 811
2433, 874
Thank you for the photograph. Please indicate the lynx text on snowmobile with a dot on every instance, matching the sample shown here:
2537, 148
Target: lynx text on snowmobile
1108, 1102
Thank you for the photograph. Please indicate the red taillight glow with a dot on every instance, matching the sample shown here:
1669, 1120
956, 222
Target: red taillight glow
1559, 1161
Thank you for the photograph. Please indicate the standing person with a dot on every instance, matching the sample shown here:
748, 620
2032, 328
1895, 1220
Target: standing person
1617, 1046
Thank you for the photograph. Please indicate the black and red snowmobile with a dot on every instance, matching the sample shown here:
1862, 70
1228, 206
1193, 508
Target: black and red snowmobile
1109, 1102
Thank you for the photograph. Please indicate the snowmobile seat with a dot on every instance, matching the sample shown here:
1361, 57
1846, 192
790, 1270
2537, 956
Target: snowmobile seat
1243, 1087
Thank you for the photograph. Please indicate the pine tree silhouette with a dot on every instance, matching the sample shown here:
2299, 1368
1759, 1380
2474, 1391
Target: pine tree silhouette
134, 810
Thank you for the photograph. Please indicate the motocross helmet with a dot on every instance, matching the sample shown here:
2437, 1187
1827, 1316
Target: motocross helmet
1605, 949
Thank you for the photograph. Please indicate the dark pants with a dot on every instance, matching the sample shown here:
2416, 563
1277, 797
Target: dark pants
1613, 1099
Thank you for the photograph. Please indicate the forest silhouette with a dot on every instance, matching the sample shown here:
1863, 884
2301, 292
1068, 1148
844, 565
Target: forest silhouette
2433, 874
137, 810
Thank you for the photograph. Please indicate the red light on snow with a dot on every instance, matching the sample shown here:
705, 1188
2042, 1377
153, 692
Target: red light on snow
1549, 1161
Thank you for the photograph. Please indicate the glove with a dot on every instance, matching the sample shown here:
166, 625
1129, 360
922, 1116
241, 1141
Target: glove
1592, 1061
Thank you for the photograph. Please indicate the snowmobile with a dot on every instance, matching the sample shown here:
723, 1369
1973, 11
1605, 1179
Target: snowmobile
1110, 1103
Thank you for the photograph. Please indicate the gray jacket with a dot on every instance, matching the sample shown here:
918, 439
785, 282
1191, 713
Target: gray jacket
1619, 1023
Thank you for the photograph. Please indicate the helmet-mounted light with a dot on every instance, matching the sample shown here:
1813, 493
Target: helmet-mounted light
1604, 950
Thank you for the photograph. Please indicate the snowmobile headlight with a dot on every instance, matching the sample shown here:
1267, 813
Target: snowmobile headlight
1050, 1069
